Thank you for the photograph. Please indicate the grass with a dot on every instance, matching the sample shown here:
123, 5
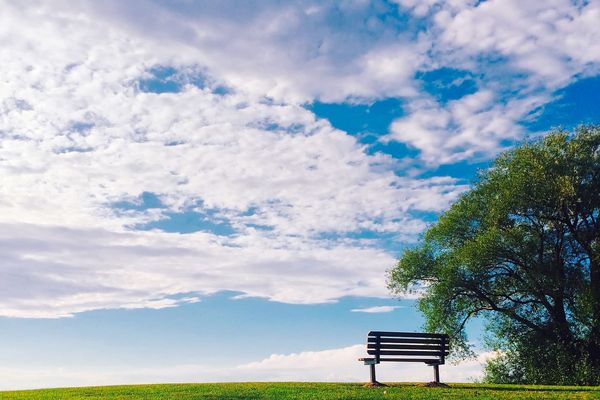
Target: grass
295, 390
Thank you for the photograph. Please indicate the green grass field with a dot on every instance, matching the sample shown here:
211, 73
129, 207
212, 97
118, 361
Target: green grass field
282, 391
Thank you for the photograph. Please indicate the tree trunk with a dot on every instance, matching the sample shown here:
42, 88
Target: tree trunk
594, 338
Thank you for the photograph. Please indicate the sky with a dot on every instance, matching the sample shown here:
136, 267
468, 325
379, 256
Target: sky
213, 191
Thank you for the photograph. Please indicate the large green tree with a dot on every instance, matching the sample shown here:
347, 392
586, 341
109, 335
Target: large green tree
521, 248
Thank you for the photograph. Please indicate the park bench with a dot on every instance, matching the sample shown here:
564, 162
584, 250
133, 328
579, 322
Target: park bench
428, 348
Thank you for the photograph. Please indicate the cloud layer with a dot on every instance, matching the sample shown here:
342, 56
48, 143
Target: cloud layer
204, 109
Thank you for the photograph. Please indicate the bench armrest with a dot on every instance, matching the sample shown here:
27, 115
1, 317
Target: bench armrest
368, 361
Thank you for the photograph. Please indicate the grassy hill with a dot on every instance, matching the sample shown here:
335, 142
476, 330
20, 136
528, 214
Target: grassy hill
282, 391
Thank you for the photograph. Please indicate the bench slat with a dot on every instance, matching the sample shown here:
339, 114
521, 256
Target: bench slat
436, 353
384, 346
421, 360
407, 334
397, 340
406, 353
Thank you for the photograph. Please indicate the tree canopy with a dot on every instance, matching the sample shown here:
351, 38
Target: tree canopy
522, 248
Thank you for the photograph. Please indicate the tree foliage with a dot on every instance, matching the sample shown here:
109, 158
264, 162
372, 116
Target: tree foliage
522, 248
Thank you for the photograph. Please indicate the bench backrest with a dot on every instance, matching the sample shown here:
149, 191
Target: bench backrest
430, 348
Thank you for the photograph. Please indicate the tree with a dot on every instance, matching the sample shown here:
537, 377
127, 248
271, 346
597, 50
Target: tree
522, 249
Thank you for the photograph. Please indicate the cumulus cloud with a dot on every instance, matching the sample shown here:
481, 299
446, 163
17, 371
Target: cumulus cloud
552, 41
82, 131
54, 272
473, 127
287, 51
335, 365
79, 135
522, 53
376, 309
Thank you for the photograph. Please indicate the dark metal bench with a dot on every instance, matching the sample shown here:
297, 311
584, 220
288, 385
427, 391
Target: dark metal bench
428, 348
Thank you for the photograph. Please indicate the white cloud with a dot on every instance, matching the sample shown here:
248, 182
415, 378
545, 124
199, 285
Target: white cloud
54, 272
376, 309
341, 365
522, 52
335, 365
287, 51
78, 136
224, 157
552, 41
419, 8
476, 126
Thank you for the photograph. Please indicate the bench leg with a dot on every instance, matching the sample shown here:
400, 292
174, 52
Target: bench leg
436, 373
373, 379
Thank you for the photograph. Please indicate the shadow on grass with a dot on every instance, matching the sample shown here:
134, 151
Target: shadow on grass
528, 388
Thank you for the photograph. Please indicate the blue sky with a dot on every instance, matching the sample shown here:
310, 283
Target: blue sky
214, 191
